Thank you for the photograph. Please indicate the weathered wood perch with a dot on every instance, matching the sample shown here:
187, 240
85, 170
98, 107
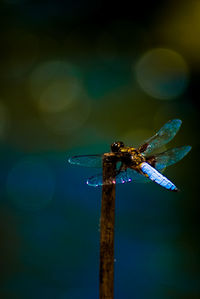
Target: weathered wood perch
106, 273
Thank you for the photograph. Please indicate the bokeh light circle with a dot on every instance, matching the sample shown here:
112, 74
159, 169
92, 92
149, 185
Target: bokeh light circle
56, 87
57, 96
162, 73
30, 184
45, 79
68, 120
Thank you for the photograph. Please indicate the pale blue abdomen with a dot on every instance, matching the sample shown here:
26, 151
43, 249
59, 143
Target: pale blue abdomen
157, 177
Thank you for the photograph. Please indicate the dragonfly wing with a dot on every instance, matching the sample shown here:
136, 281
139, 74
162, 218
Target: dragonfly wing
87, 160
125, 176
163, 136
170, 157
130, 175
95, 181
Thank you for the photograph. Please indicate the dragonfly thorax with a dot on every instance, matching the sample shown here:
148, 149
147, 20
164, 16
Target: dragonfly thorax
136, 158
130, 156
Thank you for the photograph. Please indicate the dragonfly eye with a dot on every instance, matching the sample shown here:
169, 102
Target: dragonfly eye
116, 146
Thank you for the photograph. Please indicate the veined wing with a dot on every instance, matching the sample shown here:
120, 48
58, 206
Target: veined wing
97, 180
131, 175
125, 176
87, 160
163, 136
169, 157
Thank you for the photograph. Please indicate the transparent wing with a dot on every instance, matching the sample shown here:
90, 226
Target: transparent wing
163, 136
125, 176
87, 160
97, 180
170, 157
130, 175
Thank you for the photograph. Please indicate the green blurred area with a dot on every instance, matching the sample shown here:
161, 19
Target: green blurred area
76, 76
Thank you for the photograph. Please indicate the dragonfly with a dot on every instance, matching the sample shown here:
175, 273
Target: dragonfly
138, 164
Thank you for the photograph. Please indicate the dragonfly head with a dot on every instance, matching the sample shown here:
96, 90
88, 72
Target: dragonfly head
116, 146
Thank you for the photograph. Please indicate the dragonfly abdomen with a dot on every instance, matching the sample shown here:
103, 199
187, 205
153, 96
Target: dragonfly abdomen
157, 177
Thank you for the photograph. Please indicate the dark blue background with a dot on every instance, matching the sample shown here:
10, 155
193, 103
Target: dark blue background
49, 217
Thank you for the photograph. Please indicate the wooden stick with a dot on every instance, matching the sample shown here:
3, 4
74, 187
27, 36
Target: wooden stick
106, 273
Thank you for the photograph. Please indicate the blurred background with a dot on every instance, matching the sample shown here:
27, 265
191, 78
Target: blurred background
74, 77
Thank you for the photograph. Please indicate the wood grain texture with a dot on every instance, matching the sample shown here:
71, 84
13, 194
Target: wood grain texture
106, 275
